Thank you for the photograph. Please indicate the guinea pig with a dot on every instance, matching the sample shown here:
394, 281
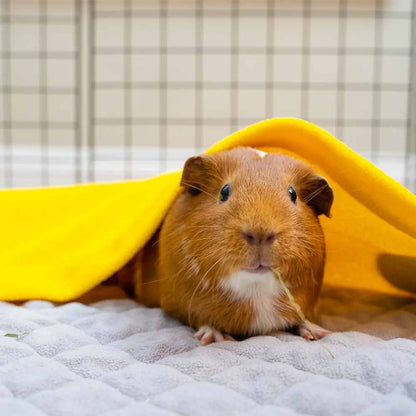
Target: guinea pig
241, 212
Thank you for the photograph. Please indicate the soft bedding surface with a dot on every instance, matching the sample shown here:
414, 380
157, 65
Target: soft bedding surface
115, 357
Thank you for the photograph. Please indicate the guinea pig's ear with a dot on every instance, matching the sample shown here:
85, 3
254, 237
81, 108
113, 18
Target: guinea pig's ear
318, 194
194, 172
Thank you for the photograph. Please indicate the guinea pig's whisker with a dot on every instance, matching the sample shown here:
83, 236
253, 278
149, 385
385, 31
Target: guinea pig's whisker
218, 175
156, 242
198, 233
202, 227
199, 189
316, 192
152, 281
308, 248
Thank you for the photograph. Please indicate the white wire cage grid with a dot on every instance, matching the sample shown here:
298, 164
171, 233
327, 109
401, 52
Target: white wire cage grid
108, 90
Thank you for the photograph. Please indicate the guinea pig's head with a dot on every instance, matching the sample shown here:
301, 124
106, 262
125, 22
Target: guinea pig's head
243, 210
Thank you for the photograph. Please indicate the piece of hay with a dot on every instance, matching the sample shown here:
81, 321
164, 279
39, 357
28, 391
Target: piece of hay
297, 308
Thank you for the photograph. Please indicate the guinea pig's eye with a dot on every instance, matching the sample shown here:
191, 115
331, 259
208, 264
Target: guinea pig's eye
292, 194
225, 193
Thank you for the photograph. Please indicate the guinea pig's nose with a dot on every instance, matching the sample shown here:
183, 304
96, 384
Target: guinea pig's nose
255, 238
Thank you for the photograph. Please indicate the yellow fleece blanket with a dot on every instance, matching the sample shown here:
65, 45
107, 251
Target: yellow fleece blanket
57, 243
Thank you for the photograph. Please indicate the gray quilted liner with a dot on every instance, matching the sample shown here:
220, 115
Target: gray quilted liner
116, 357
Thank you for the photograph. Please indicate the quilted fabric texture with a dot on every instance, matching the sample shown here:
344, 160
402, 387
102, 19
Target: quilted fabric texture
116, 357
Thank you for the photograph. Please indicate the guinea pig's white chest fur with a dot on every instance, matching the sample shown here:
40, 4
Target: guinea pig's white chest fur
263, 292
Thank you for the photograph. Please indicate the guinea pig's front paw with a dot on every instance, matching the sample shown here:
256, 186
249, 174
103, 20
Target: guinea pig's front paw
312, 331
206, 335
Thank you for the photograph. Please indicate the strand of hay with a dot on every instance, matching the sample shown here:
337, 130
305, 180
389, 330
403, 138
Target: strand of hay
298, 309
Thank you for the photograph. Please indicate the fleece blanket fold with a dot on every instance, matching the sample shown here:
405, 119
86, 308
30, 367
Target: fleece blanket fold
57, 243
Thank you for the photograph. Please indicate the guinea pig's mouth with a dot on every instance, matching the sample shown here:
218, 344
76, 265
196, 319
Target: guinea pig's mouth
260, 269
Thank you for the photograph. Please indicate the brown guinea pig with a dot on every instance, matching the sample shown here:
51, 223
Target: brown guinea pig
241, 212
